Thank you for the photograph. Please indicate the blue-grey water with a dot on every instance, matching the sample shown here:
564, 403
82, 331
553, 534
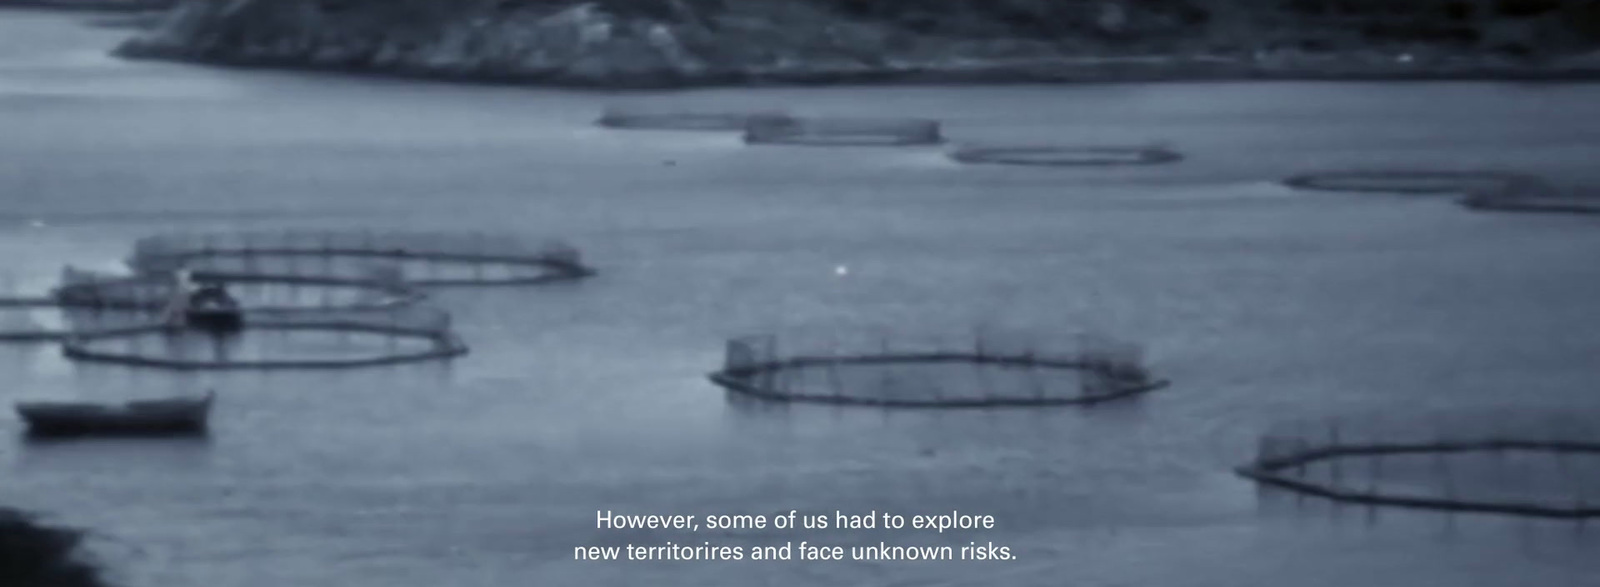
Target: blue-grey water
1261, 305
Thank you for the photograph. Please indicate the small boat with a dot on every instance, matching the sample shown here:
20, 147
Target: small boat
146, 417
211, 308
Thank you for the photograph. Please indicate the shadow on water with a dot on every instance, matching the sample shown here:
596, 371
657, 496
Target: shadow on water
138, 456
171, 442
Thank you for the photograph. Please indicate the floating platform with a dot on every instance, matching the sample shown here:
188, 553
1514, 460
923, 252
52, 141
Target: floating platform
843, 132
1065, 155
1412, 181
648, 118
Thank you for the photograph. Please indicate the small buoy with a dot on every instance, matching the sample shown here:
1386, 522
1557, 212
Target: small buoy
669, 163
841, 270
1405, 58
37, 223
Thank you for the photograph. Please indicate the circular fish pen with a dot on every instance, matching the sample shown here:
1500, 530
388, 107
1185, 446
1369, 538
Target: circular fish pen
843, 132
255, 292
280, 340
1065, 156
639, 118
331, 257
1511, 462
971, 375
1419, 182
1534, 198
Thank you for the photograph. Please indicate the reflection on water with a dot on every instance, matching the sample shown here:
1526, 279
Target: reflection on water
1260, 304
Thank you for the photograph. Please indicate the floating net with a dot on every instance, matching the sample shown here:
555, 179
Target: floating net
978, 371
331, 256
1505, 461
1414, 181
675, 119
888, 132
1066, 156
281, 340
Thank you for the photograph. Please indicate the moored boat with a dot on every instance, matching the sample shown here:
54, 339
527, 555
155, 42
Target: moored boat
212, 308
203, 306
145, 417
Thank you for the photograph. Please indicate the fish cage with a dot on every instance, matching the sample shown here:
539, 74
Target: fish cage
280, 340
1418, 182
885, 132
417, 258
310, 290
981, 370
1522, 197
1065, 156
1509, 461
646, 118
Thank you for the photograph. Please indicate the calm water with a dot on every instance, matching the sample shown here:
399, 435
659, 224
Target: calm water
1260, 304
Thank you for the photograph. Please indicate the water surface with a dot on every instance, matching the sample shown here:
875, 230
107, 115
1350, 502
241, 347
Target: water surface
1260, 303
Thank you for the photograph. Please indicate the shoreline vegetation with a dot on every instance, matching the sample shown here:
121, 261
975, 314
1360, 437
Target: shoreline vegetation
661, 44
34, 555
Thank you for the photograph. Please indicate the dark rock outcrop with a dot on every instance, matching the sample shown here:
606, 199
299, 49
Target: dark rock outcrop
33, 555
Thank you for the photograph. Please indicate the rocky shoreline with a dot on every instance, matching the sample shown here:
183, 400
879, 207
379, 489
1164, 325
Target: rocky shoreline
91, 5
34, 555
1039, 71
703, 42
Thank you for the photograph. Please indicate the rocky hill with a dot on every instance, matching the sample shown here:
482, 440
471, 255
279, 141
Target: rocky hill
683, 42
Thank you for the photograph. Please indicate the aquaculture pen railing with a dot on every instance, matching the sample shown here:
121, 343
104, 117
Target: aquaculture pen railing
418, 322
373, 288
872, 374
201, 252
1284, 457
